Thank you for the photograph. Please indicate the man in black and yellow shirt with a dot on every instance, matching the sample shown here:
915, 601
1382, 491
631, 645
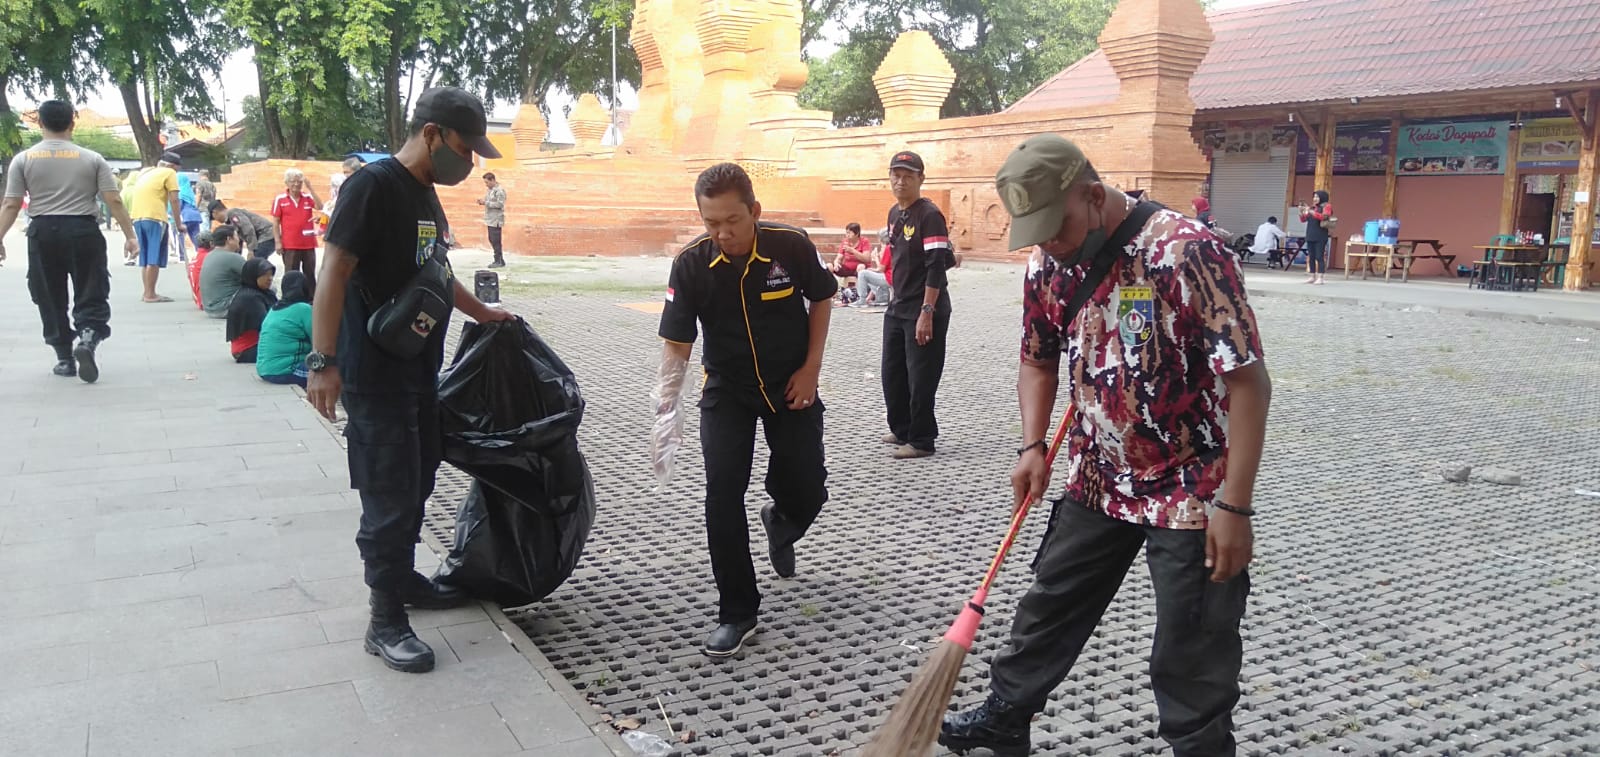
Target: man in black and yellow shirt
748, 283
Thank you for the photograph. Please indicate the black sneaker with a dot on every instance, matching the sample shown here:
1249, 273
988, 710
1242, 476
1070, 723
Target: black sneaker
84, 354
727, 639
996, 725
782, 557
65, 368
498, 264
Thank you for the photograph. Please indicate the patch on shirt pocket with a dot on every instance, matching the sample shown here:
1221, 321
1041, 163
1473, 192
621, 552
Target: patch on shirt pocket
778, 295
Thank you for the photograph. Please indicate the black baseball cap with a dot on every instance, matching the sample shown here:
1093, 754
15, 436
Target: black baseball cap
172, 158
459, 111
906, 159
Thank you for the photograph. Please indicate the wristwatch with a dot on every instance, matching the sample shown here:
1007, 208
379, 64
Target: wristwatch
316, 361
928, 309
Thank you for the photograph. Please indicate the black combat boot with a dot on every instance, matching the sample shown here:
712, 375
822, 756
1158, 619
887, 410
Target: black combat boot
995, 725
389, 636
429, 594
88, 370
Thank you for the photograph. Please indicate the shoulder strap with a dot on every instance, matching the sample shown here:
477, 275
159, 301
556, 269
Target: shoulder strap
1107, 257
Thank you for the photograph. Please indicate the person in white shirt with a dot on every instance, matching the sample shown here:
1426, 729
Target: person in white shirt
1268, 237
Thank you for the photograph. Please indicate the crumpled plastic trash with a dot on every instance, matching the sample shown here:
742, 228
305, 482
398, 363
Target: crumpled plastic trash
646, 744
509, 409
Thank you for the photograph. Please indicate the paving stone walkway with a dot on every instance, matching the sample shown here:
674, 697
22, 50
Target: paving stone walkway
178, 573
1392, 613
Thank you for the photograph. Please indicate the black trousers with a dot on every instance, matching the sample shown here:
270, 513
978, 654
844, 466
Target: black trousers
395, 446
796, 479
63, 248
494, 241
1196, 655
911, 374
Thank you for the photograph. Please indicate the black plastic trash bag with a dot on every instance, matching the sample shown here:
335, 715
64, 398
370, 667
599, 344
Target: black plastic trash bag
510, 410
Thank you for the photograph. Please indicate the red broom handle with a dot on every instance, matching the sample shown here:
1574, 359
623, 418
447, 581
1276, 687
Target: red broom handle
965, 628
1027, 504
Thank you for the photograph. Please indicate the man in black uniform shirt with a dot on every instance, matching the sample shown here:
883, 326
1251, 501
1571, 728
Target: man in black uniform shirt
918, 318
748, 283
383, 228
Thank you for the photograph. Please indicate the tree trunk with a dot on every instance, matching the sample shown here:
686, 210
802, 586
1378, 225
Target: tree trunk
394, 113
143, 136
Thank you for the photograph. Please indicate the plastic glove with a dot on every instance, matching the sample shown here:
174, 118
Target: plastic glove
669, 397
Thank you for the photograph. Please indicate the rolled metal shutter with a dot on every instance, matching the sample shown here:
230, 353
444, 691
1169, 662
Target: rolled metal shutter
1245, 192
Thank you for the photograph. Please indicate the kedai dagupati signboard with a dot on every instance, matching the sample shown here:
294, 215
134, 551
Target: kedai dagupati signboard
1453, 148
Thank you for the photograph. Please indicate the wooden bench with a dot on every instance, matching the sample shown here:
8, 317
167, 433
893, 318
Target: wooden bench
1438, 254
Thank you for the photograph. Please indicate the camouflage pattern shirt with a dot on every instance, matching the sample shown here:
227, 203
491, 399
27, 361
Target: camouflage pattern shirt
1145, 359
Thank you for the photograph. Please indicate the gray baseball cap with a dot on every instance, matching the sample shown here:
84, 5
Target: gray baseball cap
1033, 185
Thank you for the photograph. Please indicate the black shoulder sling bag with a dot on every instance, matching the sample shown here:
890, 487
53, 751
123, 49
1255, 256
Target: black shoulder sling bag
401, 326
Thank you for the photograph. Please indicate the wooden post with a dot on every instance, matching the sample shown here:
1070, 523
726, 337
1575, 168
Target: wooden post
1294, 176
1389, 200
1509, 191
1325, 137
1583, 212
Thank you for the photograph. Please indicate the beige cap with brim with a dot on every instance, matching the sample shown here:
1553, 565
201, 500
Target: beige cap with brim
1033, 186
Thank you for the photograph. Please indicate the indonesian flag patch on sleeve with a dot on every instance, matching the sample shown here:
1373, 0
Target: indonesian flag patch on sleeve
929, 244
670, 292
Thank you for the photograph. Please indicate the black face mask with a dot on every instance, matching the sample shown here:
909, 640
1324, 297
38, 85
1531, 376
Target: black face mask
1090, 248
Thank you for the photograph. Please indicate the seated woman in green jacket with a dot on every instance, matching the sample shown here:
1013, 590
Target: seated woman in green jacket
286, 334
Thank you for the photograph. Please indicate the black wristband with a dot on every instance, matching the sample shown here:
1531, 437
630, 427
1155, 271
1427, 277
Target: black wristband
1245, 511
1040, 444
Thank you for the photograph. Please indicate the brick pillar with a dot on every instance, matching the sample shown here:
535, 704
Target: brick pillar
914, 79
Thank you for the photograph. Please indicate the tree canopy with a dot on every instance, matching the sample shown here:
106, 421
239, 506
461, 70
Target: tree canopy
1000, 50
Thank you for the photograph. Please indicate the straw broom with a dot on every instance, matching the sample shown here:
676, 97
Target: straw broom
914, 722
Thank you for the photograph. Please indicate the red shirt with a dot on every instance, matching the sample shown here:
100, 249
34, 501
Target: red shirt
299, 233
888, 265
1145, 360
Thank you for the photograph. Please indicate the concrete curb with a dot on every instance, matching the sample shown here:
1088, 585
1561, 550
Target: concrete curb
1470, 312
520, 641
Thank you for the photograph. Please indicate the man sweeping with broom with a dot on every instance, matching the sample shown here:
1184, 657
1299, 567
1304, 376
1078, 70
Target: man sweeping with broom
1171, 400
1165, 370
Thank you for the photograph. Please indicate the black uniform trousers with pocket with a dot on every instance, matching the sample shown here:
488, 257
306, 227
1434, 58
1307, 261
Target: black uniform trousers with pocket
910, 374
63, 249
395, 447
1197, 652
796, 480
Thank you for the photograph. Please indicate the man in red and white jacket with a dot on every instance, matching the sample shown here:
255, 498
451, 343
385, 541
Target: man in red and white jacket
294, 225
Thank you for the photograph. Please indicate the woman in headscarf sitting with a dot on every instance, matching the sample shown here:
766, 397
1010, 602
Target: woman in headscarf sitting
249, 308
286, 334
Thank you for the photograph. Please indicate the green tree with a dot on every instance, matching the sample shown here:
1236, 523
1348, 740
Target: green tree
161, 55
100, 140
1000, 50
395, 40
39, 57
517, 50
299, 73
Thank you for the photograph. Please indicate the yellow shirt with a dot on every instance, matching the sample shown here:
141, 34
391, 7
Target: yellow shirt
149, 195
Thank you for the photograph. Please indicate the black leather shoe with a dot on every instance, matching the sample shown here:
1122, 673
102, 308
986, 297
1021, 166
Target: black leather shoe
727, 639
498, 264
782, 557
65, 368
428, 594
996, 725
390, 638
84, 354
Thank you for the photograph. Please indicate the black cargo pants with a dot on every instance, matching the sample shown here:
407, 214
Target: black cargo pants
1196, 655
796, 479
62, 249
395, 447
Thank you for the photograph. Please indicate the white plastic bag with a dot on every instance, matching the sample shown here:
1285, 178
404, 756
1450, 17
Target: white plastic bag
670, 396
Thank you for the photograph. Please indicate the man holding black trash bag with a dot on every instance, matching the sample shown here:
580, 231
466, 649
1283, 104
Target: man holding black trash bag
383, 233
748, 284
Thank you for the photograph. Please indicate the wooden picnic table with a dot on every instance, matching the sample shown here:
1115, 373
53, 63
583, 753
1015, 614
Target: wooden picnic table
1438, 253
1509, 266
1367, 256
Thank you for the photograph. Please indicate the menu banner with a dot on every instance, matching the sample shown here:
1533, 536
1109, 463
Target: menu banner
1357, 149
1249, 142
1452, 149
1550, 143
